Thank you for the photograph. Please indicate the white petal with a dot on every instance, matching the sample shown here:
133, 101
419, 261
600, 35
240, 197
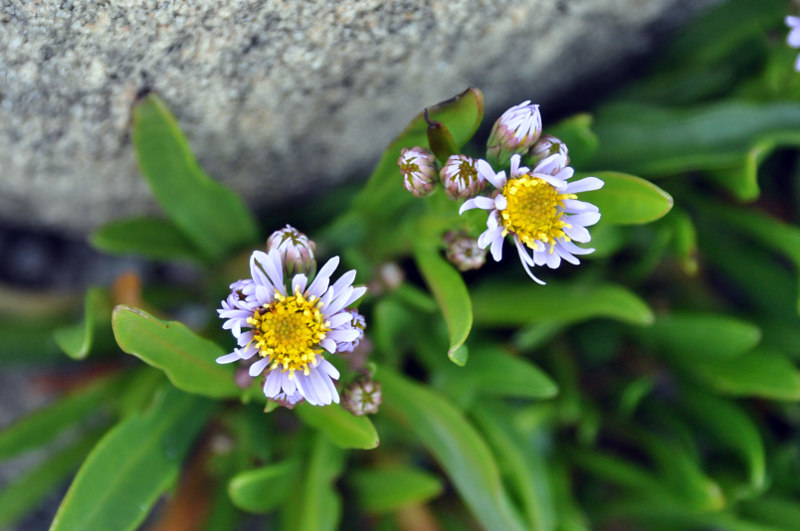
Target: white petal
574, 249
584, 220
339, 319
299, 283
553, 259
338, 303
500, 202
566, 255
328, 367
488, 236
575, 206
558, 184
498, 180
483, 202
323, 277
586, 184
229, 358
497, 247
328, 344
469, 204
258, 367
357, 294
344, 336
344, 281
272, 385
579, 234
523, 256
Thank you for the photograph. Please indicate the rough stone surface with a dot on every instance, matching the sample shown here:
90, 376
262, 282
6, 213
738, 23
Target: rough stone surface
276, 96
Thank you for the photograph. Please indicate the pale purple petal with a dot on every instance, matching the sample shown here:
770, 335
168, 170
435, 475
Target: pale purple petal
579, 234
587, 184
229, 358
586, 219
258, 367
299, 283
328, 344
500, 202
323, 277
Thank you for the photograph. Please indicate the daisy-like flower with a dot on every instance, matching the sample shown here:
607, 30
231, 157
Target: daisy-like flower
793, 39
460, 177
515, 131
290, 326
418, 167
358, 323
541, 212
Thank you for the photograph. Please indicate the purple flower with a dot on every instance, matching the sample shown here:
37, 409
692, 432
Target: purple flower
539, 211
514, 132
460, 178
291, 326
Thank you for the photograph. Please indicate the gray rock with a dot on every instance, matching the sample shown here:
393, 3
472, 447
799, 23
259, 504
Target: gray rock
275, 96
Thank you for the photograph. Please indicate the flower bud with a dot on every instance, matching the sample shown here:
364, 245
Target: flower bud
463, 251
297, 251
514, 132
460, 177
358, 323
418, 167
549, 155
362, 397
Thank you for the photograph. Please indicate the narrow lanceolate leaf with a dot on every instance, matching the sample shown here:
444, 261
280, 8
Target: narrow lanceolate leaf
494, 372
208, 213
187, 359
450, 292
731, 427
627, 200
384, 195
695, 335
24, 493
315, 504
153, 238
456, 445
381, 490
76, 340
135, 463
504, 304
760, 373
255, 490
44, 425
341, 427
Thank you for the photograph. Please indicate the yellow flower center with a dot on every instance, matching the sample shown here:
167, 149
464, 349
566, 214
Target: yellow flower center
533, 212
289, 331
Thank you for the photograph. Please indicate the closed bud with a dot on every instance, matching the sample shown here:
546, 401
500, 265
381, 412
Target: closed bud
514, 132
418, 167
362, 397
460, 177
297, 251
463, 251
549, 155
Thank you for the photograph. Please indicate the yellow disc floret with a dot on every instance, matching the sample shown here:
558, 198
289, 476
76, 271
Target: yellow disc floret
289, 330
534, 211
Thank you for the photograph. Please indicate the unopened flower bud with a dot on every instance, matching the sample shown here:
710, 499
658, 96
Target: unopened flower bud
549, 155
460, 177
514, 132
297, 251
418, 167
359, 324
463, 251
362, 397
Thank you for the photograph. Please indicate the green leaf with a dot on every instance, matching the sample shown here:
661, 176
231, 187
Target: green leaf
76, 340
506, 304
727, 135
187, 359
784, 513
450, 292
44, 425
153, 238
342, 427
731, 427
576, 132
383, 490
522, 463
759, 373
456, 445
494, 372
384, 194
208, 213
316, 506
23, 494
254, 490
695, 335
134, 463
627, 200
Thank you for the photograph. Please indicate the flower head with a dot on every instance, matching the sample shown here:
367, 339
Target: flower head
362, 397
514, 132
358, 323
463, 251
460, 177
291, 326
539, 211
550, 155
418, 167
793, 39
297, 251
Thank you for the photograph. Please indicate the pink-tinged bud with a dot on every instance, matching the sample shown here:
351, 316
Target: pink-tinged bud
359, 324
297, 251
549, 155
460, 177
362, 397
514, 132
418, 166
463, 251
